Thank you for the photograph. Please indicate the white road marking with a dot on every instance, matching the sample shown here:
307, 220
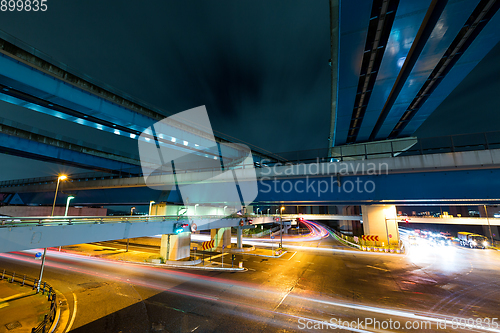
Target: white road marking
382, 269
73, 316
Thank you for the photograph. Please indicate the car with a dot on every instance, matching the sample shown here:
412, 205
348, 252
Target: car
413, 240
440, 240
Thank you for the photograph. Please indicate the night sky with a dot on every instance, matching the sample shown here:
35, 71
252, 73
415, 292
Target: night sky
260, 67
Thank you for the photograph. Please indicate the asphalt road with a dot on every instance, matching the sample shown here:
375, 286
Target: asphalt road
319, 282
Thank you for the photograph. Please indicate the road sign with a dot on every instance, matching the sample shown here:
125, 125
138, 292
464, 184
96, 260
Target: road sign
194, 227
208, 245
272, 237
38, 255
356, 239
370, 238
390, 235
195, 248
223, 247
241, 223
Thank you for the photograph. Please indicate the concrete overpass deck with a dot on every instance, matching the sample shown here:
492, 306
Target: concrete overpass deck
22, 233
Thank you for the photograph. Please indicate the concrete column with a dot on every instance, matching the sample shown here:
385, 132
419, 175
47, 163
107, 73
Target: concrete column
175, 247
221, 236
381, 221
239, 233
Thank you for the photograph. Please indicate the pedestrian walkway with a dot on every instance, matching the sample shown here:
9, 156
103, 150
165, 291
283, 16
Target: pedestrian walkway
21, 308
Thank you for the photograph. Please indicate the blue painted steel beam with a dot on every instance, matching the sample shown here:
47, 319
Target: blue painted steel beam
424, 32
482, 44
38, 150
449, 25
409, 16
451, 187
354, 21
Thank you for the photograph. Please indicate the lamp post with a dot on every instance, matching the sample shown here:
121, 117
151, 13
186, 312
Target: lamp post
195, 208
225, 210
489, 226
150, 204
131, 213
281, 227
268, 211
61, 177
258, 211
71, 197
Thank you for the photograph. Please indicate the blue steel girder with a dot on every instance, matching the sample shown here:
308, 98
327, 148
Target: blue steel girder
453, 23
32, 82
449, 25
443, 187
408, 19
76, 156
353, 28
474, 53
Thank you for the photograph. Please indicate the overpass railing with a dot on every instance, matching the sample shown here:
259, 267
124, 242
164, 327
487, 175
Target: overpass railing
423, 146
8, 222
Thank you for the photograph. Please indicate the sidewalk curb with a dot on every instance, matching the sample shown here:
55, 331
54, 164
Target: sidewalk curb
263, 255
62, 316
242, 250
235, 269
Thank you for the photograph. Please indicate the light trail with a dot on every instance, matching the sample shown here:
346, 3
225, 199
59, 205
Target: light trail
249, 290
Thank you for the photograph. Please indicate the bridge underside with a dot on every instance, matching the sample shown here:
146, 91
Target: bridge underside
466, 178
400, 59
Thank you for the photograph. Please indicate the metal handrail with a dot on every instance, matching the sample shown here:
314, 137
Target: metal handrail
8, 222
24, 280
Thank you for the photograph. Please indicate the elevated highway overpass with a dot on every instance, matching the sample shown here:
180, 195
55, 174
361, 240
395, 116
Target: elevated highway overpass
454, 220
468, 177
22, 233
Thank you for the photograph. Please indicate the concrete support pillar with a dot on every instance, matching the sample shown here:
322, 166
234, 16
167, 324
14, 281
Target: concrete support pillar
175, 247
239, 233
381, 221
221, 236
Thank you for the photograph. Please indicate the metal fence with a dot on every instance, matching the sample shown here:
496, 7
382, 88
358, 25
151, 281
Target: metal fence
8, 222
45, 288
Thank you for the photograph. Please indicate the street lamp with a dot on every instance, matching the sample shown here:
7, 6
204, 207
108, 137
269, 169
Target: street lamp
268, 211
61, 177
281, 226
131, 213
225, 210
258, 211
489, 226
71, 197
150, 204
195, 208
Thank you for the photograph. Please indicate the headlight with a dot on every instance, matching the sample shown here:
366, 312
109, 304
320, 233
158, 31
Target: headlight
474, 243
485, 243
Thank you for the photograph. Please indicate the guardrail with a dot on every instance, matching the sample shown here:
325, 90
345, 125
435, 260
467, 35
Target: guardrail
8, 222
49, 318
